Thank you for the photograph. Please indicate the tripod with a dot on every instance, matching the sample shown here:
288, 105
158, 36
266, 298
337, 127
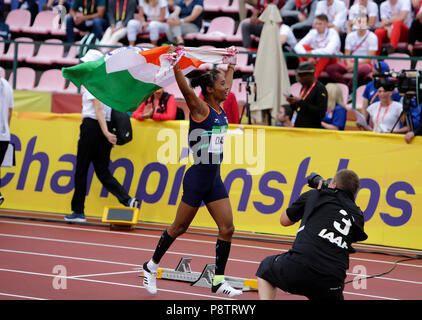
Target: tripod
407, 99
247, 105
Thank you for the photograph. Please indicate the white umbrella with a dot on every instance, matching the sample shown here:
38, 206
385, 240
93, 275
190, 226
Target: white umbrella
271, 75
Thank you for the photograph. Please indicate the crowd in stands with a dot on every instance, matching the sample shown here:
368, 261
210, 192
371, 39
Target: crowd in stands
321, 27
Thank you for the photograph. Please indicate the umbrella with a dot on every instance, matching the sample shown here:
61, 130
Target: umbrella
271, 75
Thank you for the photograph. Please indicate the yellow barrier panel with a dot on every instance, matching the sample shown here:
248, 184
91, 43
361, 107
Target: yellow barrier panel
264, 170
32, 101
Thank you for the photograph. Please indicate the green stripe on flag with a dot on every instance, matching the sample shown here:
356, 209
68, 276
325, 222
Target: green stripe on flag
119, 90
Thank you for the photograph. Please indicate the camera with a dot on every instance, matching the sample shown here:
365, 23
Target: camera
406, 81
315, 178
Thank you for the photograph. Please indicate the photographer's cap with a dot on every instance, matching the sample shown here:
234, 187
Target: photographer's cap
381, 66
305, 67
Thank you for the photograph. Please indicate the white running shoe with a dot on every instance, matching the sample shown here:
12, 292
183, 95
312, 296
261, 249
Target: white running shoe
150, 280
225, 288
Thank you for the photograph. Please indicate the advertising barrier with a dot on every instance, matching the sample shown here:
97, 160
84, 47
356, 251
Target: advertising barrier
264, 170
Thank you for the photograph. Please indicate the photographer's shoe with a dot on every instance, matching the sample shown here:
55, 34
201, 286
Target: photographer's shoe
225, 288
75, 217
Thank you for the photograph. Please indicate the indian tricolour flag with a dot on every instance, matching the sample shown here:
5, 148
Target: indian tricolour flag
126, 77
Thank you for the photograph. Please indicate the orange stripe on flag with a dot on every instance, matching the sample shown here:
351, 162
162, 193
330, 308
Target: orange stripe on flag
153, 56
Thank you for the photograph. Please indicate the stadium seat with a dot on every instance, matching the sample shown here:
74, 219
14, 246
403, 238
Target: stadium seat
345, 90
1, 48
43, 23
70, 59
47, 53
18, 19
239, 90
237, 37
2, 72
398, 65
215, 5
71, 88
25, 50
359, 98
51, 81
218, 30
25, 79
295, 89
234, 7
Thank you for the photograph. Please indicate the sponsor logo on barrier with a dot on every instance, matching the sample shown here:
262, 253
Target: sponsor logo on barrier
269, 182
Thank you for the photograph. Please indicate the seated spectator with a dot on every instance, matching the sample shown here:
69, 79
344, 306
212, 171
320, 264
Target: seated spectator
415, 32
4, 28
385, 112
52, 3
152, 19
242, 8
284, 116
160, 106
320, 40
254, 26
86, 15
396, 19
186, 18
288, 43
118, 18
299, 15
367, 7
361, 42
31, 6
336, 115
370, 94
311, 104
336, 12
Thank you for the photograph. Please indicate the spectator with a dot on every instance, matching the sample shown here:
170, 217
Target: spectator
31, 6
311, 104
320, 40
6, 108
288, 42
299, 15
367, 7
242, 8
336, 12
336, 116
160, 106
52, 3
284, 116
186, 18
4, 28
119, 14
384, 113
361, 42
415, 32
370, 95
255, 26
86, 16
396, 19
152, 19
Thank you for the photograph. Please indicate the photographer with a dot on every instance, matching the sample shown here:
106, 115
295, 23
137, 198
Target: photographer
316, 264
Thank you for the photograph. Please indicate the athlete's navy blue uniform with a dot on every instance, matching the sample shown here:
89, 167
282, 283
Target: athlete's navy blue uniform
202, 181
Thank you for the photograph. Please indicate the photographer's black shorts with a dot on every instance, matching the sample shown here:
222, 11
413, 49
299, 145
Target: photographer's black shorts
296, 278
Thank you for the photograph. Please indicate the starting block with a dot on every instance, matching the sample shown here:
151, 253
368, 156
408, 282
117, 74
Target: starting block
123, 218
183, 272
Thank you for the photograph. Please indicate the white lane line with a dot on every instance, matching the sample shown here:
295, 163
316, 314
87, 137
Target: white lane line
104, 274
19, 296
139, 235
114, 283
184, 254
368, 295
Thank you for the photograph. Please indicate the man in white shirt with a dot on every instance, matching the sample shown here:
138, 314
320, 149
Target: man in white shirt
336, 12
396, 19
320, 40
361, 42
6, 107
367, 7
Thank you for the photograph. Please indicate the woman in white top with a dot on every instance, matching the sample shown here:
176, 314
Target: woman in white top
156, 13
384, 113
94, 146
6, 107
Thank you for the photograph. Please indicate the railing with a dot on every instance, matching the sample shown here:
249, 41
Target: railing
286, 54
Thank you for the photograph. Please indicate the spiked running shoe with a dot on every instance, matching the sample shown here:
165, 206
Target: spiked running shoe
225, 288
150, 280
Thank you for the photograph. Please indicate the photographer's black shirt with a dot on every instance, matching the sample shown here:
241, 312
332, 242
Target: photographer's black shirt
324, 238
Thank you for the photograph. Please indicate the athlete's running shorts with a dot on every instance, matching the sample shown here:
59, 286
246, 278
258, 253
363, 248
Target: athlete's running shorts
203, 183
